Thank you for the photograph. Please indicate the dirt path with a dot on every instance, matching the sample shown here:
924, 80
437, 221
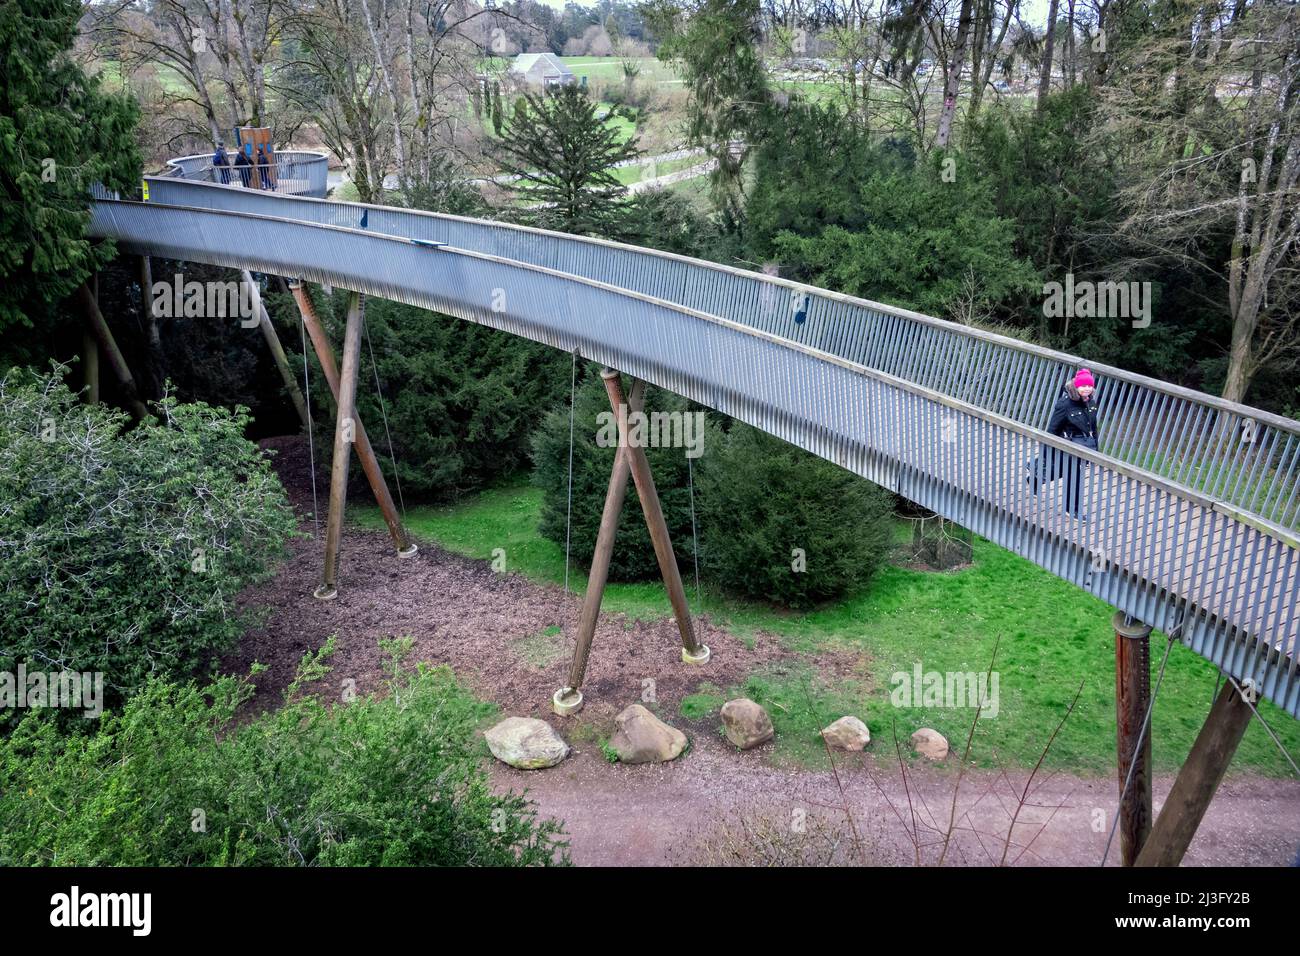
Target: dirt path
696, 809
511, 640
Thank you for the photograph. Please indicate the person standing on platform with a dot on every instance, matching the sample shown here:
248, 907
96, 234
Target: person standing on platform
245, 168
220, 164
264, 167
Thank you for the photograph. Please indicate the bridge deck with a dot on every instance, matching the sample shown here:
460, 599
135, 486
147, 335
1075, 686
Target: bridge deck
945, 416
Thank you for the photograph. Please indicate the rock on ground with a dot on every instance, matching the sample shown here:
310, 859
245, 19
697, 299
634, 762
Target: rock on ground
526, 743
930, 744
847, 733
746, 723
641, 737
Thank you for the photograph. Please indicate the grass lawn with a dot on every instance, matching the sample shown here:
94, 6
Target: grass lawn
1053, 636
634, 174
609, 69
346, 191
623, 126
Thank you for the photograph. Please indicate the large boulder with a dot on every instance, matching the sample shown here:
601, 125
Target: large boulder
526, 743
930, 744
641, 737
746, 723
847, 733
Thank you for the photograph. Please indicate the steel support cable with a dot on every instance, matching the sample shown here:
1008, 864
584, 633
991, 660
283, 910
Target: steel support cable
311, 440
695, 537
1267, 728
379, 390
568, 521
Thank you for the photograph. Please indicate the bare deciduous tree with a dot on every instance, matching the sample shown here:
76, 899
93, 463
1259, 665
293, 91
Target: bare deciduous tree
1208, 121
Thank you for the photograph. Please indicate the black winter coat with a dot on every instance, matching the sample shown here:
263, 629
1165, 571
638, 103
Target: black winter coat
1074, 419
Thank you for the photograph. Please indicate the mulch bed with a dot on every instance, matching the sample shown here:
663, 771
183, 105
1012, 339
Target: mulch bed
489, 627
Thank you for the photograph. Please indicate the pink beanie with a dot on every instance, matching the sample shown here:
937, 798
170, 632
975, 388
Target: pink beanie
1083, 379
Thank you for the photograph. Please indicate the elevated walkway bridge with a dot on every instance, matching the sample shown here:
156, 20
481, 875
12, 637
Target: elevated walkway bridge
1191, 502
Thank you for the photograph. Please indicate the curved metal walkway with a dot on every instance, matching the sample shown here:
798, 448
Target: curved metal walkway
1192, 504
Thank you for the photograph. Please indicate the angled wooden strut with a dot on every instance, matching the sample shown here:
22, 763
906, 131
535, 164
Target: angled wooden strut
343, 389
1199, 778
107, 346
629, 459
277, 350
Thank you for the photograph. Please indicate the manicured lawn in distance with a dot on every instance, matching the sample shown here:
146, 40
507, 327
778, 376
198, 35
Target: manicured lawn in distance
1053, 636
625, 128
609, 69
634, 174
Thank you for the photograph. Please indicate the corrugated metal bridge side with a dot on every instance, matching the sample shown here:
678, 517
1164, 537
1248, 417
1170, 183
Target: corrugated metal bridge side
1192, 503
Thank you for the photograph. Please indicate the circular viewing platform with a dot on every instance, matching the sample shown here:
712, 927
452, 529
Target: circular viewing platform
290, 172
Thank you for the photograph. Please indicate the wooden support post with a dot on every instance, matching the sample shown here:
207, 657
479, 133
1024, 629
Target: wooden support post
1132, 742
344, 435
146, 296
1197, 782
158, 366
90, 366
365, 452
99, 328
628, 460
692, 652
277, 351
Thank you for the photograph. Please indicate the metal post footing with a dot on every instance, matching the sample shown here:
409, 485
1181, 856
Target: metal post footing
567, 701
701, 658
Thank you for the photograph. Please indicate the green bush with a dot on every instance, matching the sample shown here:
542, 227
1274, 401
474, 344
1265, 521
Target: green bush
461, 398
392, 780
121, 551
634, 556
760, 498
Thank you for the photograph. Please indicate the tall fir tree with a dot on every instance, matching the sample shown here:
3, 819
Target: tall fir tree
562, 154
60, 132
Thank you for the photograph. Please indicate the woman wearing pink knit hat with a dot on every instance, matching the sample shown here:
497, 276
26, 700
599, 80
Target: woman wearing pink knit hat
1074, 418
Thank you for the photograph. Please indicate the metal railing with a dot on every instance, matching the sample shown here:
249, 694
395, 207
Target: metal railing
1225, 581
290, 173
1242, 457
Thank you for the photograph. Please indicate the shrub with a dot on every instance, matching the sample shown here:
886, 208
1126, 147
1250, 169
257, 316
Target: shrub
760, 498
122, 551
634, 557
392, 780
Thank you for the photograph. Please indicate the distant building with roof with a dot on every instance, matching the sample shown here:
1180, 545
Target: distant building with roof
541, 69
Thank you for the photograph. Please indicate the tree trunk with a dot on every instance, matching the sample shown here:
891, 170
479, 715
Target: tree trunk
980, 80
1049, 41
1241, 353
382, 68
1070, 55
952, 82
